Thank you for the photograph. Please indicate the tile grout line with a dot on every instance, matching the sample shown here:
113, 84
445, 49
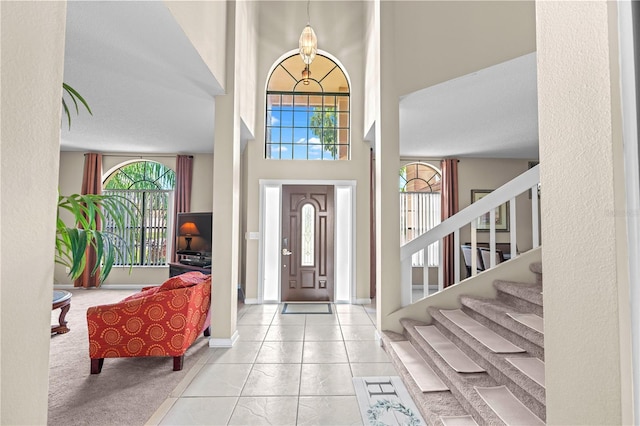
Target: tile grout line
233, 411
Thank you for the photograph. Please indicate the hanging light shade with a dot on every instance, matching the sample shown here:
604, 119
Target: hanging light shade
308, 44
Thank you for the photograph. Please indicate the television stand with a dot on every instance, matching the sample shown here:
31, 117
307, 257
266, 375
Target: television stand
179, 268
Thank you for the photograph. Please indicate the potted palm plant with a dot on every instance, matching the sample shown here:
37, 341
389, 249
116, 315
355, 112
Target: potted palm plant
87, 213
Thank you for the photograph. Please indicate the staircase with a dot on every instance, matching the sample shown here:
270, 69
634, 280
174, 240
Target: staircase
481, 364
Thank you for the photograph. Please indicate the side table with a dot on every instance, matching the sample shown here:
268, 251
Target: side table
62, 300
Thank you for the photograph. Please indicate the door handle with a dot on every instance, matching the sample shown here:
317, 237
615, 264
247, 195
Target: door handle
286, 252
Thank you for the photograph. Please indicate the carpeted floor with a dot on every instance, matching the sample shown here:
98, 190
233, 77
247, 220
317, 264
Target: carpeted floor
127, 391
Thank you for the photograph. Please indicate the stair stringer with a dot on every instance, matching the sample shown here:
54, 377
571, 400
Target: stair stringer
479, 286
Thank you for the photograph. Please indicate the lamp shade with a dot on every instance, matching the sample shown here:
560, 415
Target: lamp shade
189, 228
308, 44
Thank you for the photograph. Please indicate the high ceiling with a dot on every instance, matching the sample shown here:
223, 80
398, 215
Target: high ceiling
150, 92
492, 113
147, 87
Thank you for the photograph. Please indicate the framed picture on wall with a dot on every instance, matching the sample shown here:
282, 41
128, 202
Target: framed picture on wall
502, 213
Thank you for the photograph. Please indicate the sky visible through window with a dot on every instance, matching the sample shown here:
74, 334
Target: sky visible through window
298, 132
291, 135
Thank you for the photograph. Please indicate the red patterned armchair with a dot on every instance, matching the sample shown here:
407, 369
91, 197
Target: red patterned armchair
158, 321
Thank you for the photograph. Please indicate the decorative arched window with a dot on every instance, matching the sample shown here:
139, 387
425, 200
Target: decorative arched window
149, 186
420, 185
307, 235
307, 111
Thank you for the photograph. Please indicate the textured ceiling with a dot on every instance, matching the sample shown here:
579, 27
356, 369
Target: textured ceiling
149, 90
491, 113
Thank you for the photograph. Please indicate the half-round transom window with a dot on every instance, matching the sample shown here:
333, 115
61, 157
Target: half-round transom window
419, 177
308, 111
141, 175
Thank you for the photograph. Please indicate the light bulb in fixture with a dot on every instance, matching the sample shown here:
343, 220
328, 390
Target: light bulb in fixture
306, 74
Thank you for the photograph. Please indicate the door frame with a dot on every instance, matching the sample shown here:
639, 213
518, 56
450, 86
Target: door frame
629, 36
344, 249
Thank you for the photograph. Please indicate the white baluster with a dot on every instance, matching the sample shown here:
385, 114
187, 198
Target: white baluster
513, 227
456, 256
406, 281
474, 248
492, 239
440, 268
534, 217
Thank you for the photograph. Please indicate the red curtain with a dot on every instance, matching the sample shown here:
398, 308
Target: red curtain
449, 207
184, 176
91, 184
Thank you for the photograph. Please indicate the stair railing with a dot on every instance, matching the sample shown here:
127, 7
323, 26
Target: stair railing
507, 193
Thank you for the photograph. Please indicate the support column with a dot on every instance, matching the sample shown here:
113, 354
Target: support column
226, 203
387, 164
32, 70
584, 256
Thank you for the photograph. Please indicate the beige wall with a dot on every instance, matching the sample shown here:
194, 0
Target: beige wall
483, 173
32, 69
338, 26
70, 182
371, 69
247, 57
205, 24
436, 41
586, 290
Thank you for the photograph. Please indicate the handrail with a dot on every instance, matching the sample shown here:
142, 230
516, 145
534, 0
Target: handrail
489, 202
507, 193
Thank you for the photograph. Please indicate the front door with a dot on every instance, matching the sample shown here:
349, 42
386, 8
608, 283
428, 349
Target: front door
307, 243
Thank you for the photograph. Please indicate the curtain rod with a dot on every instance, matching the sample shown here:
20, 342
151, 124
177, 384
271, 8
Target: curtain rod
140, 156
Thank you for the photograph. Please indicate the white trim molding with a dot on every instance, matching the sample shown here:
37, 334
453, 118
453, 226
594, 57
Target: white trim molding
224, 343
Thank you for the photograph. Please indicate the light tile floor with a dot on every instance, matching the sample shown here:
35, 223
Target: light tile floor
285, 369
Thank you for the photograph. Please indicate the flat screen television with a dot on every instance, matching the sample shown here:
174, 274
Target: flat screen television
193, 234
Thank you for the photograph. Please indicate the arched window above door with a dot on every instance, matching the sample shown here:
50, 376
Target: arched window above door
307, 111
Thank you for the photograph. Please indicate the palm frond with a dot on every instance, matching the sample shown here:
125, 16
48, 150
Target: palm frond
87, 212
75, 97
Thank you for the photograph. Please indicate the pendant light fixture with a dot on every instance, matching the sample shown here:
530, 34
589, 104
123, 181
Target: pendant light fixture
308, 43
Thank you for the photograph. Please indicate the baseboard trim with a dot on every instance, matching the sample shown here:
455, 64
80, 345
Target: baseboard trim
362, 302
224, 343
378, 337
105, 287
251, 301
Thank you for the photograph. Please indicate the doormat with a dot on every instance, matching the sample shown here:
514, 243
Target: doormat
385, 401
307, 308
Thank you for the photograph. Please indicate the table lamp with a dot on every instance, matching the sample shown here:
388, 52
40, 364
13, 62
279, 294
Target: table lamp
188, 230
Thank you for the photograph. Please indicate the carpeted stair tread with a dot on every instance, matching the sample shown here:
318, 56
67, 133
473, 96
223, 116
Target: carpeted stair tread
509, 408
431, 405
458, 421
422, 374
523, 293
484, 335
493, 314
501, 371
532, 367
452, 354
461, 385
532, 321
536, 267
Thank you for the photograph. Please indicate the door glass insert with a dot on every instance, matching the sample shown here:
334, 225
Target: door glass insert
308, 235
